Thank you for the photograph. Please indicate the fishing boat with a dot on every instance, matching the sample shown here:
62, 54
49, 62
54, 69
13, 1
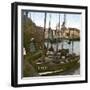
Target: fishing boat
56, 61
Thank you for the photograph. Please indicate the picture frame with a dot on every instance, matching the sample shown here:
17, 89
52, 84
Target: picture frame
36, 58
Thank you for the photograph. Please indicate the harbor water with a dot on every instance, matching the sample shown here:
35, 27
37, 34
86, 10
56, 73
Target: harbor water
66, 45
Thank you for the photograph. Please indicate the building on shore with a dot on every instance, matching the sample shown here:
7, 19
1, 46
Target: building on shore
68, 33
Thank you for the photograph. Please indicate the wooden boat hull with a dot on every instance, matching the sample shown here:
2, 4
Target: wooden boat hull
46, 69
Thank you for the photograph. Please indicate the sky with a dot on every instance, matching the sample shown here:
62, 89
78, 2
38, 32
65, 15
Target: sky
72, 20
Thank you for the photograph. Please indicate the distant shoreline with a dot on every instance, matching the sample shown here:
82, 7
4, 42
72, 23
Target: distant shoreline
59, 40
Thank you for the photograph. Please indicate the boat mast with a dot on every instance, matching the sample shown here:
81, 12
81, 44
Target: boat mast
72, 41
45, 22
56, 39
49, 30
44, 27
57, 30
59, 26
50, 23
43, 47
63, 28
44, 30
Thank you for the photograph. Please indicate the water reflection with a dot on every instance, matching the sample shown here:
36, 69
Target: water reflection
66, 45
76, 46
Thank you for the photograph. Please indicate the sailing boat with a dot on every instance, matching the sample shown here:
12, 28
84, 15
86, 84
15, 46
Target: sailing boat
60, 61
